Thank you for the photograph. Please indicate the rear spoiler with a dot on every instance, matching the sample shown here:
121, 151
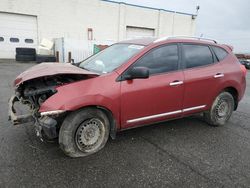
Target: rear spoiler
228, 46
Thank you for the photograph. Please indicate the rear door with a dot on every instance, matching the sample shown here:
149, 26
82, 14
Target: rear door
160, 96
203, 76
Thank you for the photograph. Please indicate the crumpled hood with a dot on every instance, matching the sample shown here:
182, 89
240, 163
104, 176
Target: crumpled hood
50, 69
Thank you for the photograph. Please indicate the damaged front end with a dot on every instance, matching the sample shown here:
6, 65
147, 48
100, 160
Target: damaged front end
31, 94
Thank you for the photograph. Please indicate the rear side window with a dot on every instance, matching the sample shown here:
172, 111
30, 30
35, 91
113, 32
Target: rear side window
160, 60
1, 39
220, 53
197, 55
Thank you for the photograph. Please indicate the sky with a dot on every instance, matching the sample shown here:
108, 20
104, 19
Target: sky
227, 21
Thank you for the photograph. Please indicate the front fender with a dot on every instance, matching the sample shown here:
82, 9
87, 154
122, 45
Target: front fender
56, 102
93, 92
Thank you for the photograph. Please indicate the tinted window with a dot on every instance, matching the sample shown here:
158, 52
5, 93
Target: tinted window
1, 39
197, 55
160, 60
14, 40
220, 53
29, 41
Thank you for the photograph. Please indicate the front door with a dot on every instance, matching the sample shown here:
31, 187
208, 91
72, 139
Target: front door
144, 101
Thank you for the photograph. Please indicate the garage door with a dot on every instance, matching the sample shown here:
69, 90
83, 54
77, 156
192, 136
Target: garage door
136, 32
16, 31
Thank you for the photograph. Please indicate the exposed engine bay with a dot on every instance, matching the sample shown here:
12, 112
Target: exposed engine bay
36, 91
33, 93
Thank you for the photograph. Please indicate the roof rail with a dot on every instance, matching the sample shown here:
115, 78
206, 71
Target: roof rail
186, 37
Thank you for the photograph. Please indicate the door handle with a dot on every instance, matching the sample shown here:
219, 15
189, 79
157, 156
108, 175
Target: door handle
219, 75
176, 83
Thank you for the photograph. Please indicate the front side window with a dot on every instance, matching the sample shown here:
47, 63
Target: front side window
160, 60
197, 55
1, 39
111, 58
220, 53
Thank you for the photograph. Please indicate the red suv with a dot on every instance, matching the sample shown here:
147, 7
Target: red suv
130, 84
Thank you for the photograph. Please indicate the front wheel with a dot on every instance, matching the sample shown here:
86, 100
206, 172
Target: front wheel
84, 132
221, 110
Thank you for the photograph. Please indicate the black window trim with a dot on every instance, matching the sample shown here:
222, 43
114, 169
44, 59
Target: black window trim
121, 78
183, 62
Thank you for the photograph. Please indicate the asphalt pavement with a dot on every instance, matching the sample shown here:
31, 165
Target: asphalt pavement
179, 153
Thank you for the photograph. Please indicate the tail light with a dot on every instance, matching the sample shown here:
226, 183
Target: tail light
243, 69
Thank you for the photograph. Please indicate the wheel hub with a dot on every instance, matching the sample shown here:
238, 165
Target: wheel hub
89, 134
223, 109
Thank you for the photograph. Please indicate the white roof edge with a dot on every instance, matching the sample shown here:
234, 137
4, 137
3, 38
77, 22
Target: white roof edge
184, 37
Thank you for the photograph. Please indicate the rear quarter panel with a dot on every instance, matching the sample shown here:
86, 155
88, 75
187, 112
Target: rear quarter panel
233, 77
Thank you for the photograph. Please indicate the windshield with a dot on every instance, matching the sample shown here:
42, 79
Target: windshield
111, 58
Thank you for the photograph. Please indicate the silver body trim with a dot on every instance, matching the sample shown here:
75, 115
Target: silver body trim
165, 114
154, 116
193, 108
50, 113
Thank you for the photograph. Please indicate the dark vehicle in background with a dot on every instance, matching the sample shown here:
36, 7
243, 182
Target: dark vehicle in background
245, 63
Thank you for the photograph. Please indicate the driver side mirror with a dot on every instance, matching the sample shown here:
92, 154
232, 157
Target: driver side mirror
137, 73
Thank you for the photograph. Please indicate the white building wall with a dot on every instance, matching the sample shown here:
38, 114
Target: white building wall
72, 18
141, 17
63, 18
166, 24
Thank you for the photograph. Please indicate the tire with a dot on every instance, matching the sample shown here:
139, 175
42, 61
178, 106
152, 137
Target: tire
26, 51
25, 58
221, 110
84, 132
45, 58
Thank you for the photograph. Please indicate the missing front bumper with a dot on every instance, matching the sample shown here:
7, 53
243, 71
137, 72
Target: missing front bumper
46, 127
14, 117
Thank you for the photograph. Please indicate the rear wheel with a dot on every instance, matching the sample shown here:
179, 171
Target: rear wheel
84, 132
221, 110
